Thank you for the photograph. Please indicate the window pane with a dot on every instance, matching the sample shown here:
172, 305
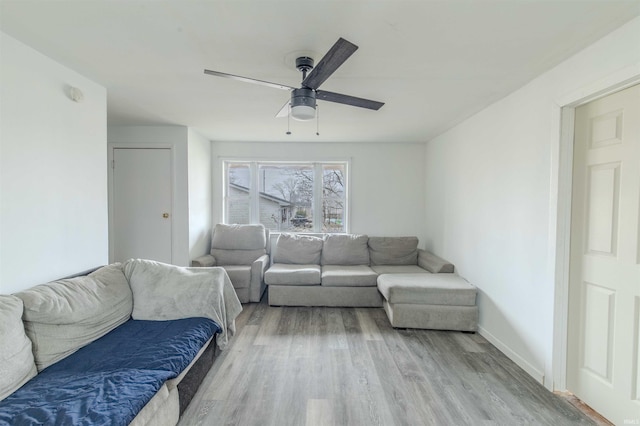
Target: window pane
286, 197
238, 196
333, 198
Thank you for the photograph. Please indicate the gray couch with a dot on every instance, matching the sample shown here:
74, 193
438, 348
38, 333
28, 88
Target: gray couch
43, 325
341, 269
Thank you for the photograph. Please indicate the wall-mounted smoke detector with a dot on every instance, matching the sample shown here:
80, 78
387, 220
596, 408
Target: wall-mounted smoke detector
75, 94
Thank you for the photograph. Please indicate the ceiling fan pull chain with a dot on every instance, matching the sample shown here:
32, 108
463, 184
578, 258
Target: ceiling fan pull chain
289, 121
317, 120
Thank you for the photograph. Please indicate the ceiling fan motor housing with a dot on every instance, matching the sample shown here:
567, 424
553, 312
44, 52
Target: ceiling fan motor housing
304, 64
303, 104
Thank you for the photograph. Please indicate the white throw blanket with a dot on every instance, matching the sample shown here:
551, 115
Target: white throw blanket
167, 292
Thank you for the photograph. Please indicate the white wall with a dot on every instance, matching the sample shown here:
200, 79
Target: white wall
491, 186
53, 170
200, 196
387, 189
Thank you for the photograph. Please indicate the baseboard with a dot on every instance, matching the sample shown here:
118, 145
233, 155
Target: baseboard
513, 356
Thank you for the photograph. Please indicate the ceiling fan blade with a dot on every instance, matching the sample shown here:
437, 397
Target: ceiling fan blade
330, 62
284, 111
249, 80
348, 100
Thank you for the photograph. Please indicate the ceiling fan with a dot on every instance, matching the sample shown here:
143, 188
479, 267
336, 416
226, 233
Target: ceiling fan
302, 104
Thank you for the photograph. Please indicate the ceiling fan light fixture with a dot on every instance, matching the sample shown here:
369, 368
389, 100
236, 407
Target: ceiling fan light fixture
303, 112
303, 104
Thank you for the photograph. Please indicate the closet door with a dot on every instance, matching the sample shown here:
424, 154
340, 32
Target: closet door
142, 219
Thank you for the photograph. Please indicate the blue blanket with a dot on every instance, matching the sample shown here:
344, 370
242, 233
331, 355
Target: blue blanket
110, 380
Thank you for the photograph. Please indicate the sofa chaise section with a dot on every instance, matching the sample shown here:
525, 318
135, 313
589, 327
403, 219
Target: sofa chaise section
429, 301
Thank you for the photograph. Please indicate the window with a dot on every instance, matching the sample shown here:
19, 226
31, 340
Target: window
287, 196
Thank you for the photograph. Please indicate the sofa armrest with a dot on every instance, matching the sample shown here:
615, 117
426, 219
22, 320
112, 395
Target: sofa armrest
433, 263
260, 265
167, 292
257, 285
206, 260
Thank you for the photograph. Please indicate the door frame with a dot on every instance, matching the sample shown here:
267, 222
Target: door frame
560, 206
110, 157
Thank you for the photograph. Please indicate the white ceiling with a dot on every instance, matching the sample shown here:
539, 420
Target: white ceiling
434, 63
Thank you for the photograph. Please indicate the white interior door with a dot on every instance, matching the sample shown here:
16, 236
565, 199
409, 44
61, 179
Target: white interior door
604, 290
142, 218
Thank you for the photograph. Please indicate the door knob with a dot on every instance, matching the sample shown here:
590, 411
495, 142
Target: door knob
165, 215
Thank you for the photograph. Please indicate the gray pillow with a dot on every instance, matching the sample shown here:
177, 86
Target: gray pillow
238, 237
16, 358
298, 249
345, 249
393, 250
62, 316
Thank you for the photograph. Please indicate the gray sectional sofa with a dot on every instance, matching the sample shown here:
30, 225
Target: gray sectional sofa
341, 269
416, 288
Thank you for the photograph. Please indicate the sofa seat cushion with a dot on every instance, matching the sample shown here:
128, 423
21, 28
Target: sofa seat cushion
236, 257
110, 380
345, 249
393, 250
288, 274
348, 276
240, 275
16, 359
427, 289
399, 269
62, 316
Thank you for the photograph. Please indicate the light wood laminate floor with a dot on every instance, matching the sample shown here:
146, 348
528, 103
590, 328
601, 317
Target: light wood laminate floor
348, 366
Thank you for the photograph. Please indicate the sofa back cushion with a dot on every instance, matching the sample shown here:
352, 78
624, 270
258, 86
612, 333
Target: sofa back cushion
16, 358
62, 316
393, 250
298, 249
238, 244
239, 237
345, 249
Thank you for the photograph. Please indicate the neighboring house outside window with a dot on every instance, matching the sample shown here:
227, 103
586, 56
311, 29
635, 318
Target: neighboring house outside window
290, 196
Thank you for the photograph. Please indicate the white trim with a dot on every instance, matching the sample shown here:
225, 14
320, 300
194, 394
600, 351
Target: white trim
562, 238
562, 180
317, 196
619, 80
505, 349
254, 193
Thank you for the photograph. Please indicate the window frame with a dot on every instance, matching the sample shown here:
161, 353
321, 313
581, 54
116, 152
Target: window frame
254, 176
